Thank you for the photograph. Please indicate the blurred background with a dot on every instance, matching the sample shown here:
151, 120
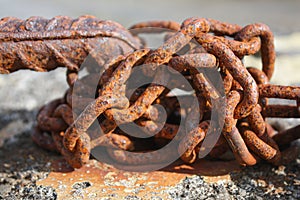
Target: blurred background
281, 16
28, 90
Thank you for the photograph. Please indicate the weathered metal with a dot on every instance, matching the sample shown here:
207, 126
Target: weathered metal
43, 45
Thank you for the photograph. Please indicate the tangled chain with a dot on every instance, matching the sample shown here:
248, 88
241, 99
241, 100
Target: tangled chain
62, 41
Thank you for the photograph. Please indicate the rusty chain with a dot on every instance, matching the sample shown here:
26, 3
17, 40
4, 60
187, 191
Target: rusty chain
42, 45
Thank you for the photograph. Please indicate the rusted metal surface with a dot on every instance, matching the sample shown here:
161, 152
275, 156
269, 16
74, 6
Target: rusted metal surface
42, 45
103, 180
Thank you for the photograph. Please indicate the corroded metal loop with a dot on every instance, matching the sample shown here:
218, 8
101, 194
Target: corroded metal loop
160, 26
267, 44
113, 140
257, 145
193, 61
41, 44
232, 134
50, 118
281, 111
46, 121
279, 91
256, 121
241, 49
88, 116
43, 139
223, 28
80, 155
189, 29
236, 68
188, 144
259, 76
65, 112
227, 78
62, 27
239, 147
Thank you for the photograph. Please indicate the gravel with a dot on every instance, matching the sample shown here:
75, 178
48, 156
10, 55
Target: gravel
33, 191
22, 162
258, 182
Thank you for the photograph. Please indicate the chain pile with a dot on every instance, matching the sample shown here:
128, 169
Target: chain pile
66, 125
